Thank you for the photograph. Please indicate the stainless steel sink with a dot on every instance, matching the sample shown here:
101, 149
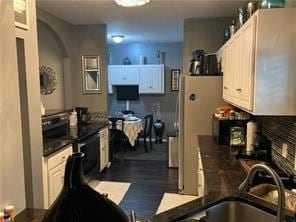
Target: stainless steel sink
232, 209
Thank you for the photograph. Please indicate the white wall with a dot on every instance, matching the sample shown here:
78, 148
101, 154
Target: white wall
12, 188
50, 55
80, 40
33, 145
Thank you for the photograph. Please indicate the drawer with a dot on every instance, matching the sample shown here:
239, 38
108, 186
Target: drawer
59, 157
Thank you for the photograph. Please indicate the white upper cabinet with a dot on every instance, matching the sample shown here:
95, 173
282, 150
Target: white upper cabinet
258, 64
123, 74
150, 78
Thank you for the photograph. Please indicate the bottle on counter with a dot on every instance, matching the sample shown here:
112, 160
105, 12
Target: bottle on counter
232, 28
73, 118
10, 210
7, 217
1, 217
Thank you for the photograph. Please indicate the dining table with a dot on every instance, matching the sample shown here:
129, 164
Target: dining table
131, 127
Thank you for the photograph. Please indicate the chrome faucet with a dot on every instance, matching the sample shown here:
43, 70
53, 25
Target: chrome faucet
246, 185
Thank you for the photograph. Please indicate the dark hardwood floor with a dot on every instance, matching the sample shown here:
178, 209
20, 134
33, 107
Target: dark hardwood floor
149, 179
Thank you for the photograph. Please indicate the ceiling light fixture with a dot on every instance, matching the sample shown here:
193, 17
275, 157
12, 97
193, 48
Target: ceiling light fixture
117, 38
132, 3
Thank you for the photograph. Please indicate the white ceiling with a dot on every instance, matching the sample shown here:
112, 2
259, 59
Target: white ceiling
159, 21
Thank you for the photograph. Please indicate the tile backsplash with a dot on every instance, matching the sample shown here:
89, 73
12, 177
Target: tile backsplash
281, 131
98, 115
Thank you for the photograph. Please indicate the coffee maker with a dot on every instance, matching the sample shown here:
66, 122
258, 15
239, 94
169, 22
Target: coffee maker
82, 115
197, 63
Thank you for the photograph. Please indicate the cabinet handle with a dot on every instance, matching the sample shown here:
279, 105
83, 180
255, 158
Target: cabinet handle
238, 90
225, 87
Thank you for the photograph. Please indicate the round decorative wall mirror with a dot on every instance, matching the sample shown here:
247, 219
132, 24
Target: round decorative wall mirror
48, 80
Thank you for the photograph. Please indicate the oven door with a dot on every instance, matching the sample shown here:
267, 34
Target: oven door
90, 147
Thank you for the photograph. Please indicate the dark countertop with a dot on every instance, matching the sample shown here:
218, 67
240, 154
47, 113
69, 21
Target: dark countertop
222, 173
81, 132
30, 215
73, 134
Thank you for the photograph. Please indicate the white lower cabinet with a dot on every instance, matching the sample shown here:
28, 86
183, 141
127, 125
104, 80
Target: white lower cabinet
53, 174
55, 182
104, 148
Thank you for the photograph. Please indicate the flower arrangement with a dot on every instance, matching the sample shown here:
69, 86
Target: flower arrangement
156, 111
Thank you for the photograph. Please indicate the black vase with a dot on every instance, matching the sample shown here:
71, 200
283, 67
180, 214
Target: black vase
158, 129
78, 202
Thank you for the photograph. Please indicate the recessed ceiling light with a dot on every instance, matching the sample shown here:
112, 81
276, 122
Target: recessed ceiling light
117, 38
132, 3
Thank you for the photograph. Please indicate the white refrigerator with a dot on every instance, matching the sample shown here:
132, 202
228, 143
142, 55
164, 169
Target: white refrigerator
199, 96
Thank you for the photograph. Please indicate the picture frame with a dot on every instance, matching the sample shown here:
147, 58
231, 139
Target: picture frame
21, 14
91, 74
175, 76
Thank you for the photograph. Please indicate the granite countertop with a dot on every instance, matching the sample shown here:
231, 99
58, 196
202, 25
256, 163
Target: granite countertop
222, 173
81, 132
30, 215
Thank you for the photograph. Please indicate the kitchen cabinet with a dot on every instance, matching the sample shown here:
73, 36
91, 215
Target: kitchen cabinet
123, 74
104, 148
151, 79
53, 174
258, 64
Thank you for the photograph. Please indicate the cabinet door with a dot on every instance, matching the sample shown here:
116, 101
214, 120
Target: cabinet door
237, 68
102, 155
131, 75
104, 148
247, 71
156, 80
224, 70
227, 78
55, 182
145, 80
116, 75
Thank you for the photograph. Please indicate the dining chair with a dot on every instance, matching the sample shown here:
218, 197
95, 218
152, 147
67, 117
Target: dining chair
146, 132
118, 139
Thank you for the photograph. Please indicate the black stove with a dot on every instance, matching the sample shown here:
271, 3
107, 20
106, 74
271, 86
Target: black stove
57, 132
